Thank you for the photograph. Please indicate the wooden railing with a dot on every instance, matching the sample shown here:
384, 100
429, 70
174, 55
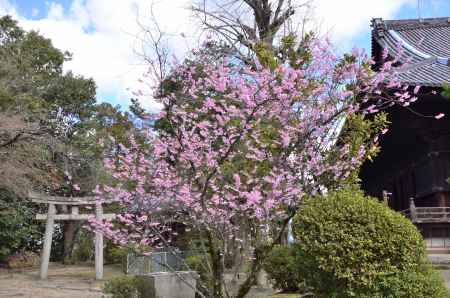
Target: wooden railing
427, 214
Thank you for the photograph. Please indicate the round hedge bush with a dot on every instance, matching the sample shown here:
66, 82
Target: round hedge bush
125, 286
354, 246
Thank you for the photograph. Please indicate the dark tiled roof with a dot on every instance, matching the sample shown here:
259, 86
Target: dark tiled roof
425, 44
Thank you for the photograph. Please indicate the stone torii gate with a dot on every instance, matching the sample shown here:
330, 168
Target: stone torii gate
73, 205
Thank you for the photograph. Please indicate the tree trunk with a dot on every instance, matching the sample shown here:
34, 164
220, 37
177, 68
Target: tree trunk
251, 279
70, 231
259, 257
217, 269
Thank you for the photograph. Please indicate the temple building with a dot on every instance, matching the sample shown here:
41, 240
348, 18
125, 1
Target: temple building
413, 166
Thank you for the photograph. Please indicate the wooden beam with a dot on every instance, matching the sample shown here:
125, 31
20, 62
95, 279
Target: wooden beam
74, 216
70, 203
45, 256
58, 200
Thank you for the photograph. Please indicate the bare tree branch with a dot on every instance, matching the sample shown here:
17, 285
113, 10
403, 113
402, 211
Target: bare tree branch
245, 23
153, 47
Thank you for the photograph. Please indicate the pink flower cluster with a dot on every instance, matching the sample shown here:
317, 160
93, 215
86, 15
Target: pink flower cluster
284, 123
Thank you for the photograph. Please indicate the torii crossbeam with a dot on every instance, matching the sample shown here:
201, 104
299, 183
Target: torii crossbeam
74, 203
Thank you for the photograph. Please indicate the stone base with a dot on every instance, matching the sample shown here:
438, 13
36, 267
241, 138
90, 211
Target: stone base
180, 284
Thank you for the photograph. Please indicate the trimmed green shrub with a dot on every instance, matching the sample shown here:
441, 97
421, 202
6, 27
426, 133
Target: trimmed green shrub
282, 269
18, 231
354, 246
425, 282
122, 287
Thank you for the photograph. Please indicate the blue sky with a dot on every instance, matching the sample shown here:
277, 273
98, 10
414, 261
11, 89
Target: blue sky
428, 9
102, 33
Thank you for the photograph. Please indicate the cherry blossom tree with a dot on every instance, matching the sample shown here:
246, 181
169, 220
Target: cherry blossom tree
238, 148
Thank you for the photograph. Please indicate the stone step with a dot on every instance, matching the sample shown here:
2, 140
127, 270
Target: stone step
438, 250
440, 260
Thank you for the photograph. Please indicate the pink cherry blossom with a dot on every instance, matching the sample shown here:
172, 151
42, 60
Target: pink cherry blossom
439, 116
243, 148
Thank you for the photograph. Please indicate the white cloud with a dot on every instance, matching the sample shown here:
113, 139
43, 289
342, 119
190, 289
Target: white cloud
55, 11
7, 8
101, 34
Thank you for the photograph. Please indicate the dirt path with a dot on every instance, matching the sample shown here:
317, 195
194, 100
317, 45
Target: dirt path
73, 281
78, 281
63, 281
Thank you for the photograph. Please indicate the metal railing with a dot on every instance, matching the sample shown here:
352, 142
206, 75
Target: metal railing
155, 262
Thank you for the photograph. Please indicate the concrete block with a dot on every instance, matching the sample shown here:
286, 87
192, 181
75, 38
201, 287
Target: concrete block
180, 284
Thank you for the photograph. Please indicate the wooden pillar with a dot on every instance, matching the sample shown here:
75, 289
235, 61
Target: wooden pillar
45, 256
98, 245
412, 210
75, 210
386, 196
441, 199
